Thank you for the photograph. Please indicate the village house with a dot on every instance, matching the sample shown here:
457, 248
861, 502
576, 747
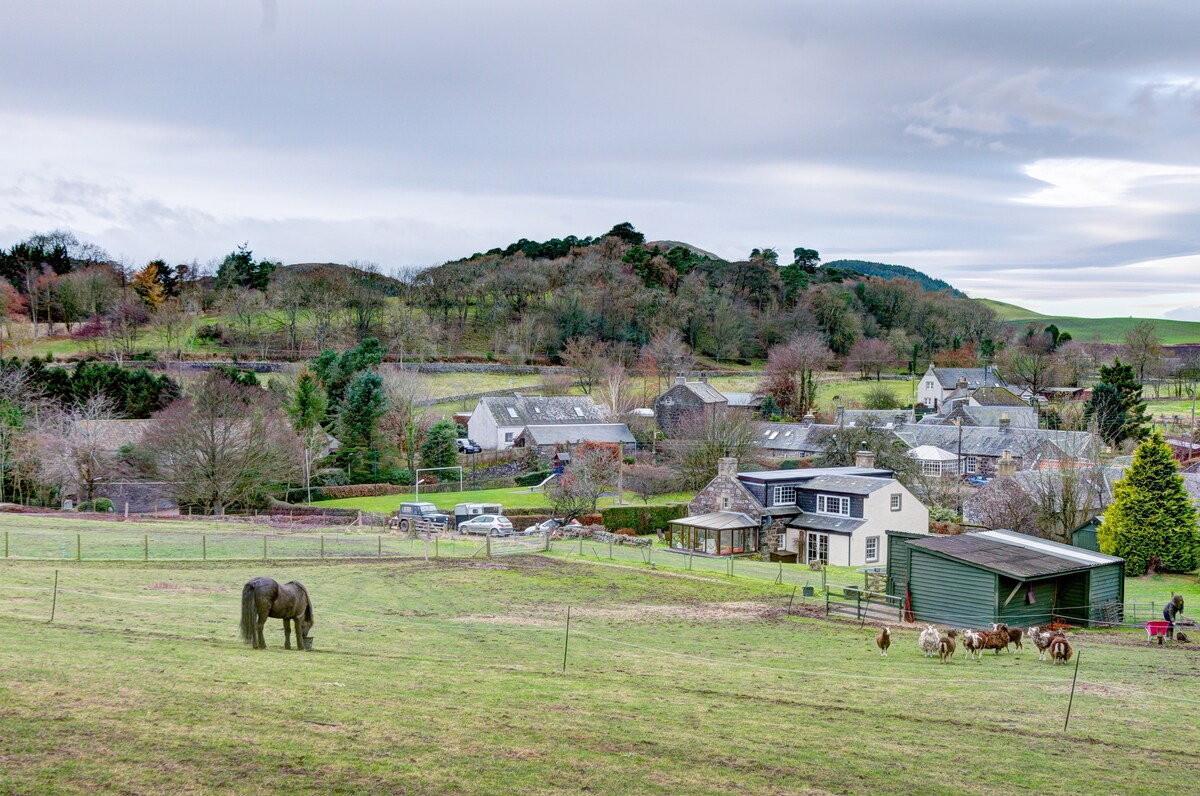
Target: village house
550, 439
834, 515
690, 402
980, 447
498, 421
938, 384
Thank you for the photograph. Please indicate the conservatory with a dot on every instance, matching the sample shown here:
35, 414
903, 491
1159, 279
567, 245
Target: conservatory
719, 533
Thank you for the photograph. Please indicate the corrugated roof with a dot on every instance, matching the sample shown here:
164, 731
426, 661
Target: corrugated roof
931, 453
846, 484
572, 433
717, 520
1014, 554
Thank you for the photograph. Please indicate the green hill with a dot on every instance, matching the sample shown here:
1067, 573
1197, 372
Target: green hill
886, 271
1105, 330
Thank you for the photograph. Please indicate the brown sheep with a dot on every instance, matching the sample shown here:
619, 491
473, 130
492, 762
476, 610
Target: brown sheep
995, 639
1060, 648
883, 641
946, 646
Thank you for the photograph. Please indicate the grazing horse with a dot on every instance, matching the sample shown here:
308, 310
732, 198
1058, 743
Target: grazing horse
263, 598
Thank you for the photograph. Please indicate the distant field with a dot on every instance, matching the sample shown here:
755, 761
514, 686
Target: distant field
1106, 330
448, 677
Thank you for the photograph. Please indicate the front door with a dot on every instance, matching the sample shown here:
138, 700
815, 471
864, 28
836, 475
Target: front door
817, 548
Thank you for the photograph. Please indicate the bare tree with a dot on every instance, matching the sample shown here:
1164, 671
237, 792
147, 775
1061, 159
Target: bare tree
406, 416
171, 324
1143, 347
73, 447
593, 471
706, 439
587, 357
286, 294
224, 444
668, 355
124, 322
409, 335
649, 481
615, 390
1031, 363
870, 356
790, 375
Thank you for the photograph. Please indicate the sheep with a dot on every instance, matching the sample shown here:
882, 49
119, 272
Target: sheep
995, 639
1041, 639
972, 644
883, 641
928, 642
946, 646
1014, 635
1060, 648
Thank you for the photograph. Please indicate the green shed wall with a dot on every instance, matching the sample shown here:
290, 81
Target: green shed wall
1085, 538
898, 555
1018, 613
950, 592
1108, 583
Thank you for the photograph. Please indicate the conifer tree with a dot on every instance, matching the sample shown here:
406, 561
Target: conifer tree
1151, 514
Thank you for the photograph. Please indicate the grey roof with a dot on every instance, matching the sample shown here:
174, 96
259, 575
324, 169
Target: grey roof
543, 410
797, 437
1018, 416
571, 433
989, 441
747, 399
717, 520
1191, 482
808, 473
976, 377
880, 418
846, 484
823, 522
705, 392
1014, 554
987, 396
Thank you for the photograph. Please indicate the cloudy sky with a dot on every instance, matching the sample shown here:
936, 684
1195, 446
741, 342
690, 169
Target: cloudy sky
1046, 154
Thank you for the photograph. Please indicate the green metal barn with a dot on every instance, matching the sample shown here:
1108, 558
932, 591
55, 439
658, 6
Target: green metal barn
1085, 535
974, 579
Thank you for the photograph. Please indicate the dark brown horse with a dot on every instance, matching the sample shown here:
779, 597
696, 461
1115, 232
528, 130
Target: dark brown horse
263, 599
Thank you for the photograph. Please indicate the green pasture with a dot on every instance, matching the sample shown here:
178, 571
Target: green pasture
447, 677
1106, 330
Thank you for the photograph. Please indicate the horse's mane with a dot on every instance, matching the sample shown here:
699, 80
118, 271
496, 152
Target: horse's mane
308, 611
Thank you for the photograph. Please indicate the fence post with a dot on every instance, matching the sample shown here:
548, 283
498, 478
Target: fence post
581, 544
1071, 701
610, 549
145, 547
322, 545
567, 639
545, 541
78, 547
435, 547
379, 540
203, 548
264, 547
489, 545
6, 544
791, 599
54, 604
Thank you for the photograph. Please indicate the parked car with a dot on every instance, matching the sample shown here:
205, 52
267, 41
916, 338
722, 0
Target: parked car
409, 512
488, 525
467, 445
549, 526
977, 480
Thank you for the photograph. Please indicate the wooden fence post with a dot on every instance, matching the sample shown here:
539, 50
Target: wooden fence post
78, 547
6, 544
322, 545
203, 548
145, 547
489, 546
264, 547
379, 540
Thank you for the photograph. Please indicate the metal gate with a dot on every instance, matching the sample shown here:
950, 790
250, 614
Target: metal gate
849, 602
517, 545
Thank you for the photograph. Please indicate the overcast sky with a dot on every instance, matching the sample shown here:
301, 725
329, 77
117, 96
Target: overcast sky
1046, 154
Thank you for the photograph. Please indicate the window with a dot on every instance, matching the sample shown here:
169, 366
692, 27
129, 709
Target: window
931, 468
508, 436
872, 548
784, 496
725, 502
971, 465
511, 412
929, 385
817, 548
833, 504
896, 502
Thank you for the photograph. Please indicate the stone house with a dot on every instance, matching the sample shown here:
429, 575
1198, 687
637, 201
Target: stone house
496, 422
938, 384
690, 402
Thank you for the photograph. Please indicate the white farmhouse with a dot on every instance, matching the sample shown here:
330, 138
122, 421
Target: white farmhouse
497, 422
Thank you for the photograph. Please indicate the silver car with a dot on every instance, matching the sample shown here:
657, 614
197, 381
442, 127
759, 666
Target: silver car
488, 525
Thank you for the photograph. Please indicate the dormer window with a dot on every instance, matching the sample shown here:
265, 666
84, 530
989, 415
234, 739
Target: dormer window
833, 504
784, 496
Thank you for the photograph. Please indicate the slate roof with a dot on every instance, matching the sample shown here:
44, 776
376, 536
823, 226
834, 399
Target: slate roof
845, 484
1018, 417
572, 433
809, 473
744, 399
880, 418
1014, 554
796, 437
823, 522
989, 441
705, 392
976, 377
987, 396
717, 520
543, 410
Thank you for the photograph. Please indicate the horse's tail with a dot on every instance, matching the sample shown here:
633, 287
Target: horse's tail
249, 614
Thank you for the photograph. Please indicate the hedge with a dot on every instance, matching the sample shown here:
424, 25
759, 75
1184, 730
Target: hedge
532, 479
300, 494
643, 519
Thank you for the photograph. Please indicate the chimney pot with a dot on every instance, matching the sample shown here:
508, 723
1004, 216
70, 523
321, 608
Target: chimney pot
704, 378
681, 379
864, 458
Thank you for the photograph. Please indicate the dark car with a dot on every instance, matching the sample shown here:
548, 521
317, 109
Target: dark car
467, 445
408, 513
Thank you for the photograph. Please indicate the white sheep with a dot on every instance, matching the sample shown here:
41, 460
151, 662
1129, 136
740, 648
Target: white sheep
928, 642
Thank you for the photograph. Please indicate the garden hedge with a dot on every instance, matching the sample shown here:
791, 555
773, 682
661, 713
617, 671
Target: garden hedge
643, 519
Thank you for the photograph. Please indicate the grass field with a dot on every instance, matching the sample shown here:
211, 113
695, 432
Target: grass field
447, 677
1106, 330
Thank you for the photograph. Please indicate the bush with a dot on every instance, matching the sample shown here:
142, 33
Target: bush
99, 504
532, 479
881, 397
400, 476
209, 333
330, 476
643, 519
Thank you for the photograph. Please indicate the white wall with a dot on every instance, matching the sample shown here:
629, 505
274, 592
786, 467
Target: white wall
913, 517
926, 395
481, 427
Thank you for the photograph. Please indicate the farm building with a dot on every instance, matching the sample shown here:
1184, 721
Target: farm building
975, 579
1085, 535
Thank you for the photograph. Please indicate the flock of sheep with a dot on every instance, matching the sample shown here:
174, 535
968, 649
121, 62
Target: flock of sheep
934, 643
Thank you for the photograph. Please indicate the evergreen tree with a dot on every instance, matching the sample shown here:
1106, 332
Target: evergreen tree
1125, 381
439, 448
336, 370
307, 407
1106, 413
1151, 515
361, 409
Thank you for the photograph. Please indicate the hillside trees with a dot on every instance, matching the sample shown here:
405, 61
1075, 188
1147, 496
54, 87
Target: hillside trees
790, 374
1143, 348
1132, 413
1151, 520
239, 268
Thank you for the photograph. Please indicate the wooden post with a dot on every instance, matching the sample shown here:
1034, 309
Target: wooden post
489, 545
379, 540
203, 548
145, 547
54, 603
6, 544
610, 550
1071, 701
790, 600
126, 509
435, 547
78, 547
322, 545
264, 547
566, 639
581, 544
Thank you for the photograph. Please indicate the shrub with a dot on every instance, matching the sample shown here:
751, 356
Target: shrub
643, 519
99, 504
532, 479
209, 333
625, 532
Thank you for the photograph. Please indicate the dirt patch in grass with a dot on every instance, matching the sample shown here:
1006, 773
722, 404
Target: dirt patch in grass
180, 588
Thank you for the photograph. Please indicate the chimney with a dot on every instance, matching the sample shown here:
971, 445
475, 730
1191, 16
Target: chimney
680, 379
840, 413
703, 377
863, 457
962, 382
1007, 465
809, 418
727, 466
1005, 422
517, 395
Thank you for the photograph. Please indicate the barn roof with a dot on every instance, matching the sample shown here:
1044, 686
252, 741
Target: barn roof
1015, 555
570, 433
